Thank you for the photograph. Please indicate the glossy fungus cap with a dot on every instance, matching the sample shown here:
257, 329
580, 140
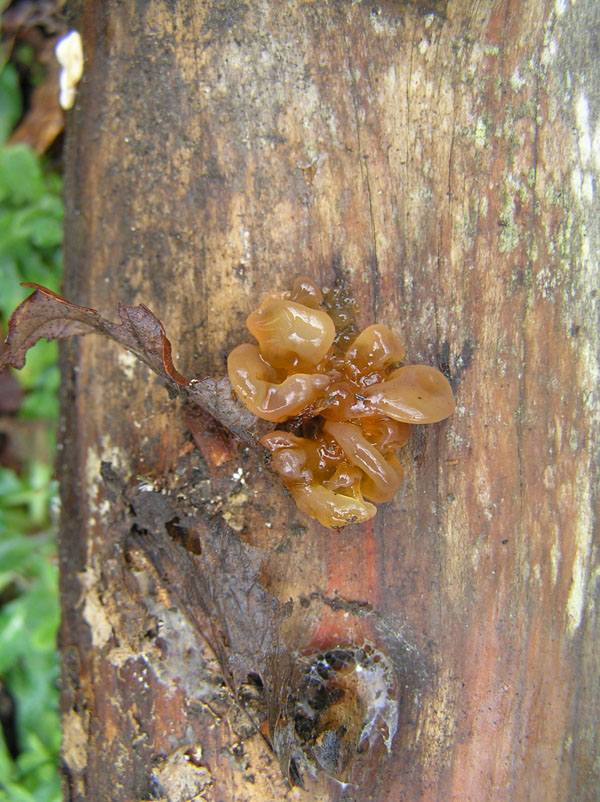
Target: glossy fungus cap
359, 403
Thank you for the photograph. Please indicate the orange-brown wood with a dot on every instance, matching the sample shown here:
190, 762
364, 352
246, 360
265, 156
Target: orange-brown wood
442, 158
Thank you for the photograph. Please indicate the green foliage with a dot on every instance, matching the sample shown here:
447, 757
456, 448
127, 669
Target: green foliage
31, 214
28, 624
10, 100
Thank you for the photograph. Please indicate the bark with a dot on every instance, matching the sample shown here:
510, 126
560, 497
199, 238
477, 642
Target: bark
441, 158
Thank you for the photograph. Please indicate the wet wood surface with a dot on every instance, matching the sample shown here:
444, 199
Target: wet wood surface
442, 159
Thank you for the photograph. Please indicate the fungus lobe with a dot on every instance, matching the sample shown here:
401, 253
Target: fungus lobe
341, 411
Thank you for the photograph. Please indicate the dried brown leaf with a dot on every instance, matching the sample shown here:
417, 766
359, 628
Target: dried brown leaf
10, 392
46, 314
44, 119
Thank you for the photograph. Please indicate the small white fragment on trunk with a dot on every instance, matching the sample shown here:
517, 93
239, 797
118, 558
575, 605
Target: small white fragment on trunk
69, 54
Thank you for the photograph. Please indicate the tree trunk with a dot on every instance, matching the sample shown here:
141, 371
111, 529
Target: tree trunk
441, 158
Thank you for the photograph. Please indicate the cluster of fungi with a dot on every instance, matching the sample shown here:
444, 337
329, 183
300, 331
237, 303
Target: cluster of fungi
342, 409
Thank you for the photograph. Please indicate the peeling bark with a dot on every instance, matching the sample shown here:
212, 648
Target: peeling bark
442, 158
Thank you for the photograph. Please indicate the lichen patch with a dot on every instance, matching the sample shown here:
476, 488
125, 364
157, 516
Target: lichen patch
583, 545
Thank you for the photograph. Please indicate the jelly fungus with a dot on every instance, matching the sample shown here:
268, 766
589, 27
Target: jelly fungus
349, 407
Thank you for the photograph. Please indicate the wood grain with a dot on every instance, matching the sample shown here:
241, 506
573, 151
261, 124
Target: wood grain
442, 158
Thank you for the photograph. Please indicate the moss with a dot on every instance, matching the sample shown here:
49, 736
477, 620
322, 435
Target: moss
509, 232
482, 133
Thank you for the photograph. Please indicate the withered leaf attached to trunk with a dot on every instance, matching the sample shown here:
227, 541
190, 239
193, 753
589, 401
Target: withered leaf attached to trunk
46, 314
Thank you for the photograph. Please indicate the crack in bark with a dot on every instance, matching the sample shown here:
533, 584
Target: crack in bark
337, 603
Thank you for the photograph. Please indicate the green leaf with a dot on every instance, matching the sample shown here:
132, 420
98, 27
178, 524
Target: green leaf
13, 521
25, 500
9, 482
12, 293
15, 793
36, 226
15, 554
33, 375
40, 404
13, 633
20, 175
10, 98
47, 232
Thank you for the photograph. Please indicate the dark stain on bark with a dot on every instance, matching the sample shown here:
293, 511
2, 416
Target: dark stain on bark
462, 362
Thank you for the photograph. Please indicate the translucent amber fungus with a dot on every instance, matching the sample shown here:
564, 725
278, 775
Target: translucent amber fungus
343, 411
